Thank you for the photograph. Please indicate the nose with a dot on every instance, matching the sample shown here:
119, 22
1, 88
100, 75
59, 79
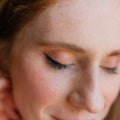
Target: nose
87, 94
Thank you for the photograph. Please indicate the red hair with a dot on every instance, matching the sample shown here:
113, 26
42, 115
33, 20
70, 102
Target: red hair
16, 13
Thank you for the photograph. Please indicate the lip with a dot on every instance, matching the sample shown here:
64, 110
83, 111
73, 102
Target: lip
55, 118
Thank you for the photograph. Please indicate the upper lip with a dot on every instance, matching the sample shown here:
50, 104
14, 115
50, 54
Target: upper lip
69, 119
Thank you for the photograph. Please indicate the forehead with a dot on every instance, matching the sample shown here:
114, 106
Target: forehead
92, 25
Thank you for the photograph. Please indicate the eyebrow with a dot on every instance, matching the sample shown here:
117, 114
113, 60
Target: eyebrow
63, 45
115, 52
72, 47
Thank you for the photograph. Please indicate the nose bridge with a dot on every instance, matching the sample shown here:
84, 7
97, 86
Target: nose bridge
90, 79
93, 96
88, 94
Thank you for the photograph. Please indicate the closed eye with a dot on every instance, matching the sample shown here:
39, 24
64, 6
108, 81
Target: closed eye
54, 64
110, 70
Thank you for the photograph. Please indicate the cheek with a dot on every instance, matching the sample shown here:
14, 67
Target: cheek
34, 83
111, 90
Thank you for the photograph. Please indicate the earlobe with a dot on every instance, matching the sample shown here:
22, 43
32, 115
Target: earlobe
4, 84
7, 106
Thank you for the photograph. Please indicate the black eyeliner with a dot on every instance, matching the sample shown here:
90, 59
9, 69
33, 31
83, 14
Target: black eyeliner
54, 64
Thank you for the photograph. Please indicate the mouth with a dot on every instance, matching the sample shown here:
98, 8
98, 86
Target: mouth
55, 118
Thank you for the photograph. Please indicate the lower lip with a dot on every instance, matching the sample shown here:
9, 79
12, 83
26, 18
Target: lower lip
61, 119
55, 118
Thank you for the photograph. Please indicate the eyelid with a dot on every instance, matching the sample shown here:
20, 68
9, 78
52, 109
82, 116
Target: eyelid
111, 62
53, 59
54, 64
62, 57
110, 70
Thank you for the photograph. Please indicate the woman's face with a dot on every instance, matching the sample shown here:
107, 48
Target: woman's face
66, 62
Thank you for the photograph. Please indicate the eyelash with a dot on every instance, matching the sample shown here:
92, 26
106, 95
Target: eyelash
54, 64
58, 66
111, 70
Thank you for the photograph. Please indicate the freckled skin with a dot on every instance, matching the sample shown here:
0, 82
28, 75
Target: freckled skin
83, 91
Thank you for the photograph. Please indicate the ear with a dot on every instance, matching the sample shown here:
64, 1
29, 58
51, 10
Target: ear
7, 104
3, 86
